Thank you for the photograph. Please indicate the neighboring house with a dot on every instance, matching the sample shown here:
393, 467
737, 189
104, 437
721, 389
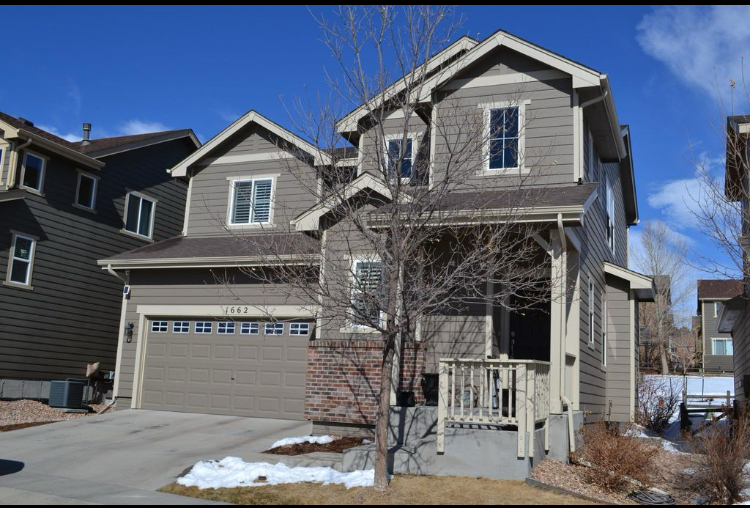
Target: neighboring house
717, 347
63, 205
255, 348
654, 315
735, 315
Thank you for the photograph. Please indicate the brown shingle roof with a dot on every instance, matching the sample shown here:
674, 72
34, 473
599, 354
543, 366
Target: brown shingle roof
95, 145
719, 289
186, 248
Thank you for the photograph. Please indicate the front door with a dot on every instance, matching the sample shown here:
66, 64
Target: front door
530, 332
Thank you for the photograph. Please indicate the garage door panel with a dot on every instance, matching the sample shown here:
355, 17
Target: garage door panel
232, 374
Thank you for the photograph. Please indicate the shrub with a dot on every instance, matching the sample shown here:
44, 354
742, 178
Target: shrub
613, 459
720, 456
658, 400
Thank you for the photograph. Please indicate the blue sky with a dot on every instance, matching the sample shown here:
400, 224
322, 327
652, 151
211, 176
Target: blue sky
132, 69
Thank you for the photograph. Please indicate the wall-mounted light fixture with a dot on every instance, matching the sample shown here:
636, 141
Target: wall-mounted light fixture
129, 332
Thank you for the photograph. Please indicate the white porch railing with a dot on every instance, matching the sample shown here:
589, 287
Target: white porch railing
497, 393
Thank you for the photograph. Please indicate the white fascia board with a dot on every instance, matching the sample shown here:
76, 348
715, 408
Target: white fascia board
637, 280
251, 116
223, 262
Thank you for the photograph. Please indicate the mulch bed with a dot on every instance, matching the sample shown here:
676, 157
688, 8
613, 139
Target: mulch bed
19, 426
337, 446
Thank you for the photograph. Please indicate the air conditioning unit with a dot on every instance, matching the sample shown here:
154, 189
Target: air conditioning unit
66, 394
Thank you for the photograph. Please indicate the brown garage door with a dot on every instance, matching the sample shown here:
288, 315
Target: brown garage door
231, 368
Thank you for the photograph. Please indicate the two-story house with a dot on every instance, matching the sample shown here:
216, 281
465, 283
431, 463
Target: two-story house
63, 205
717, 348
206, 335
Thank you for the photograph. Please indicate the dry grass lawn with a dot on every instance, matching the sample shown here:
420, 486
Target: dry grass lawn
404, 490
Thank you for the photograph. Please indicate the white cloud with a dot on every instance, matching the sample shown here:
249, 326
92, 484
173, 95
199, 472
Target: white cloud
702, 46
229, 116
67, 137
133, 127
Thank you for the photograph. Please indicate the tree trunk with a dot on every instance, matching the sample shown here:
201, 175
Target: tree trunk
664, 360
382, 421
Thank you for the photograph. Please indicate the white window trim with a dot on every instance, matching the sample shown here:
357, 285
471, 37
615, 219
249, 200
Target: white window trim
210, 328
275, 324
227, 325
610, 209
716, 309
95, 178
415, 137
42, 175
175, 330
249, 332
605, 335
230, 209
31, 261
300, 324
592, 313
140, 195
722, 339
154, 323
521, 168
351, 326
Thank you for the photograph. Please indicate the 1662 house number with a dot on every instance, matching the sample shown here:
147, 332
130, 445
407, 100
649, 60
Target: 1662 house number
236, 310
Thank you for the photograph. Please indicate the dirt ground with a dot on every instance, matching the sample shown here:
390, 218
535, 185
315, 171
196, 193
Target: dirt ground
337, 446
404, 490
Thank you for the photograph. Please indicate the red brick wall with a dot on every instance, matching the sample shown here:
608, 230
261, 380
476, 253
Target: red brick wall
343, 379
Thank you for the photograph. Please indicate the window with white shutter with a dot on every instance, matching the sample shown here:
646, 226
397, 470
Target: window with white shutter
251, 201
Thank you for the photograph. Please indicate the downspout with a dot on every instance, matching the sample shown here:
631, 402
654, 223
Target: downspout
564, 327
115, 274
595, 100
14, 165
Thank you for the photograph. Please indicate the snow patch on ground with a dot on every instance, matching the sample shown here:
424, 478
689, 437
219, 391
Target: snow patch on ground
321, 440
233, 472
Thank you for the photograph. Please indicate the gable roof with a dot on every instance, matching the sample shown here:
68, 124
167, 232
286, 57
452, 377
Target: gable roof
349, 122
320, 157
102, 147
719, 289
88, 154
642, 285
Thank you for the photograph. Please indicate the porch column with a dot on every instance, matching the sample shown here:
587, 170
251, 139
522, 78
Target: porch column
558, 322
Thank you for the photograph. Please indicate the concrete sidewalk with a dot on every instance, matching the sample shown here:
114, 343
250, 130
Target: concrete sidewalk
124, 457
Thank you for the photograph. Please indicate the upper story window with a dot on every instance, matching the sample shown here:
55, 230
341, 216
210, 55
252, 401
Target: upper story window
139, 214
723, 347
504, 137
86, 191
403, 150
717, 309
21, 260
251, 201
32, 172
610, 215
366, 286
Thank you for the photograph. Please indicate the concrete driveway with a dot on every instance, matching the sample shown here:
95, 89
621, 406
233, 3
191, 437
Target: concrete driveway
124, 457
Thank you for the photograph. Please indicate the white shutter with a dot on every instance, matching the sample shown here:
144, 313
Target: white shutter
243, 192
262, 201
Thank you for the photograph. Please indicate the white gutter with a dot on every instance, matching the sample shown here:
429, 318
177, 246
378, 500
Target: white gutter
595, 100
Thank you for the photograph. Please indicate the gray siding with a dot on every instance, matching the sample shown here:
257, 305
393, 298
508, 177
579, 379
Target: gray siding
741, 337
593, 235
619, 351
72, 316
713, 363
192, 287
294, 192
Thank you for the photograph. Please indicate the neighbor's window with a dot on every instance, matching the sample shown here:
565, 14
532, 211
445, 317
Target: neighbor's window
86, 191
159, 326
610, 216
181, 327
592, 339
274, 329
368, 276
251, 201
21, 260
723, 347
249, 328
225, 327
403, 150
33, 172
503, 138
139, 214
299, 329
203, 327
717, 309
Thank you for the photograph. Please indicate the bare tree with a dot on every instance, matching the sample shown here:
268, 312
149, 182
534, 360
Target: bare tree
428, 235
685, 349
664, 256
